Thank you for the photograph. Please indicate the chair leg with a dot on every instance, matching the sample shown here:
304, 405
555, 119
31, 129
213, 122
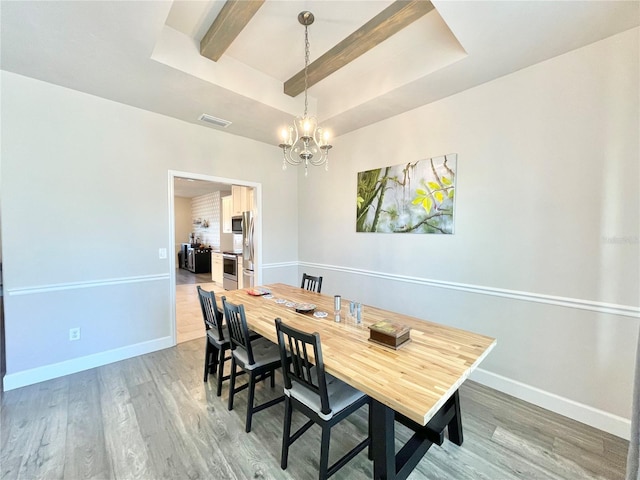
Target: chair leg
214, 359
222, 352
324, 452
273, 378
252, 390
286, 432
232, 382
207, 358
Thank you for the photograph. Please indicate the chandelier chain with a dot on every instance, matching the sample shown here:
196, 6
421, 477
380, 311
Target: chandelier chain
306, 66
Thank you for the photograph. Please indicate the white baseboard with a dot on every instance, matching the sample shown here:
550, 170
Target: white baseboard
75, 365
580, 412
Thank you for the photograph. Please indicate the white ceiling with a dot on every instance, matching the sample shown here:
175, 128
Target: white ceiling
189, 187
146, 54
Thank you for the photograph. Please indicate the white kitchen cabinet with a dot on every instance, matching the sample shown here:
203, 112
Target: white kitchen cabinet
216, 268
227, 213
248, 206
242, 199
239, 199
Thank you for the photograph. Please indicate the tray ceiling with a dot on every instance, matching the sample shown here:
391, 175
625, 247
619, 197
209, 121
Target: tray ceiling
147, 54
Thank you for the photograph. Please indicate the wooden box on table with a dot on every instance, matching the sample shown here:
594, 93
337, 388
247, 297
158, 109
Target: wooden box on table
389, 334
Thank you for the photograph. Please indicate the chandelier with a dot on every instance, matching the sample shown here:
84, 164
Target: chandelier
305, 142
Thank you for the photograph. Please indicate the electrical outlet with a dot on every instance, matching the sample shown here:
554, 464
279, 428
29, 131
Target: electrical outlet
74, 334
162, 253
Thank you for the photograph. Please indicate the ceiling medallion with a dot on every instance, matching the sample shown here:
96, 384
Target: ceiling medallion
304, 142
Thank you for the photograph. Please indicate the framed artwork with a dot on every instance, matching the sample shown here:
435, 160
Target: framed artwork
416, 197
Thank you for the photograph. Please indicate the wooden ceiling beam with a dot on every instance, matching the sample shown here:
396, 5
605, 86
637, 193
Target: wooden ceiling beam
233, 17
390, 21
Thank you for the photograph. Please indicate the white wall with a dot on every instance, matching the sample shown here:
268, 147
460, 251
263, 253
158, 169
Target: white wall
85, 208
547, 205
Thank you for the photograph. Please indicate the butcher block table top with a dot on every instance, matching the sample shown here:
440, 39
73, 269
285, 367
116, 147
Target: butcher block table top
415, 380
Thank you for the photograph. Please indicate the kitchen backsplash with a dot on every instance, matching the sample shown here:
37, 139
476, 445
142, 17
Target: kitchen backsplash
206, 210
237, 243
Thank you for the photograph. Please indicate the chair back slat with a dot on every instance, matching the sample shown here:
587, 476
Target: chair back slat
238, 329
313, 284
301, 364
300, 368
210, 313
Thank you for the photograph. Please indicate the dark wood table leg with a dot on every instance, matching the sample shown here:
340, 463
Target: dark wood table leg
383, 441
387, 465
455, 425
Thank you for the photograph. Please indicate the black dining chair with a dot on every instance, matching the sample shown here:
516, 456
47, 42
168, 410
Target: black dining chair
321, 397
313, 284
217, 339
258, 358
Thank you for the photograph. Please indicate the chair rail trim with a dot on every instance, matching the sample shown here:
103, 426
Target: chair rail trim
88, 284
582, 304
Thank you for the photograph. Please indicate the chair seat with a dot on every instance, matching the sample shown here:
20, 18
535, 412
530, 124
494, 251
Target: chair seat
264, 353
212, 333
341, 395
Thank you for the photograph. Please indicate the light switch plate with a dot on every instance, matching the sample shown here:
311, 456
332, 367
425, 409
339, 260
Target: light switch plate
162, 253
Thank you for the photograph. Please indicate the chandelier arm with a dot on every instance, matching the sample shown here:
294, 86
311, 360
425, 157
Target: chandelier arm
291, 160
319, 161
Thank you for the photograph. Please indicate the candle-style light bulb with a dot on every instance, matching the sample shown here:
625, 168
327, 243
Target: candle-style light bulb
306, 127
284, 134
326, 137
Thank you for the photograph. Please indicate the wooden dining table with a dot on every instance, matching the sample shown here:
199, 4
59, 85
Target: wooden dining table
415, 385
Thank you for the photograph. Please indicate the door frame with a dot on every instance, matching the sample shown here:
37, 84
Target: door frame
257, 233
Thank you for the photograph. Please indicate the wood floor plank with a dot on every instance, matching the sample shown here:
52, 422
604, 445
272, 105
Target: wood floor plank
158, 419
44, 452
169, 455
135, 372
86, 452
547, 459
191, 422
123, 438
249, 453
511, 464
615, 450
14, 431
597, 466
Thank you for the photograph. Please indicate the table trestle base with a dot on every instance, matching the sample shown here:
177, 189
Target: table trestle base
389, 465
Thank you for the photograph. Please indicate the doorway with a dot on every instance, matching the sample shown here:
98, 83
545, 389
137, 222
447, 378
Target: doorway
195, 213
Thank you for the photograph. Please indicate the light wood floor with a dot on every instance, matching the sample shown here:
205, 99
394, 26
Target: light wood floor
189, 323
152, 417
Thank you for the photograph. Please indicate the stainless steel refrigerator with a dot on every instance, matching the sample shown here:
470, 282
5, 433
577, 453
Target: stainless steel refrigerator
248, 257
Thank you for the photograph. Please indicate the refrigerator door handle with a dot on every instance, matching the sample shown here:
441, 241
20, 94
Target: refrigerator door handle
251, 240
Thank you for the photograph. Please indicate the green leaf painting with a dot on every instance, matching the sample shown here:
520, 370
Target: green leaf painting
408, 198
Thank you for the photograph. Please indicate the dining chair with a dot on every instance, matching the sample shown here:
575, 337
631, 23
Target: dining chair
313, 284
259, 359
321, 397
217, 339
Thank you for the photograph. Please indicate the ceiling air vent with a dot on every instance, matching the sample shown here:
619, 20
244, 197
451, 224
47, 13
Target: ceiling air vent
218, 122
